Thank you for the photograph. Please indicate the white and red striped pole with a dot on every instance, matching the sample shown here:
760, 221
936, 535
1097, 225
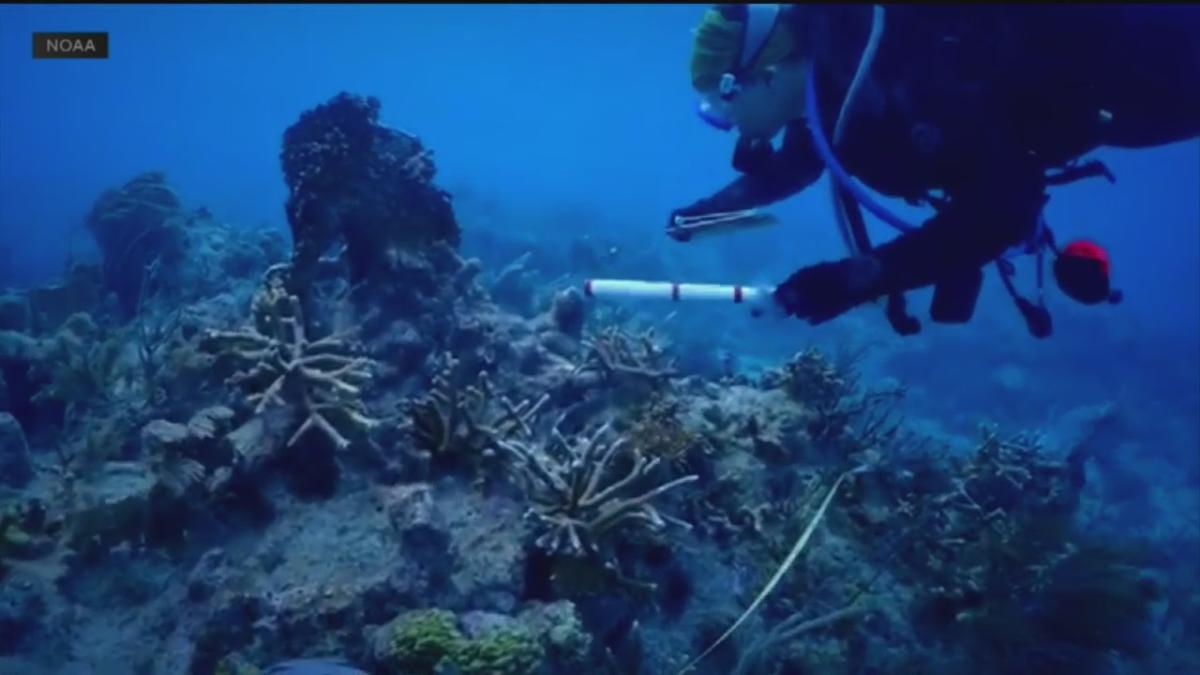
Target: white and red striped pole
675, 291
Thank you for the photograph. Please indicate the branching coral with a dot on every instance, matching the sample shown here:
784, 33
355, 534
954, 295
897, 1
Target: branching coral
813, 381
841, 408
322, 379
566, 480
615, 356
82, 363
457, 421
1005, 571
658, 432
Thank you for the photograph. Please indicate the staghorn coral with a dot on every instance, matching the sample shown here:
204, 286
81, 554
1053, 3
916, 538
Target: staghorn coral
458, 422
842, 412
614, 356
320, 379
566, 480
1004, 571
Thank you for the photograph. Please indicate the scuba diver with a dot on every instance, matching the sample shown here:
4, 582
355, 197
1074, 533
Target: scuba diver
988, 105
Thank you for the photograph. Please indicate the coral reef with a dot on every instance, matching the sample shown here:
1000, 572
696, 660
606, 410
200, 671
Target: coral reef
380, 455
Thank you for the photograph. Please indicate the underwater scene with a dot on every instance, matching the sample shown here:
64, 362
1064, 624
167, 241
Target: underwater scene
525, 339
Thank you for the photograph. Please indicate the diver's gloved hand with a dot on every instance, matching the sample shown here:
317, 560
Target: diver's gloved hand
818, 293
680, 234
726, 200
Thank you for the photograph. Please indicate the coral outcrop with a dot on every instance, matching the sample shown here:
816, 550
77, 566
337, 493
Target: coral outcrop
354, 180
137, 230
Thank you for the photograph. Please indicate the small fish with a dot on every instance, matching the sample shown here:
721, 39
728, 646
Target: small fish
314, 667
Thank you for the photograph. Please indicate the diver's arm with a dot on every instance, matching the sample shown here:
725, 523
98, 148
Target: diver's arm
998, 210
788, 170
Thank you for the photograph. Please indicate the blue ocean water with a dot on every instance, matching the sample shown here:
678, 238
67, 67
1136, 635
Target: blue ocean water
552, 125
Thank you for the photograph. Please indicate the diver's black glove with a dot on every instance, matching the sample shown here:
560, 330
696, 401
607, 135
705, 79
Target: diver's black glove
818, 293
700, 208
674, 231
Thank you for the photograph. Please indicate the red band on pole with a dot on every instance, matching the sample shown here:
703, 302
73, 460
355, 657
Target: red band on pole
674, 291
737, 294
587, 288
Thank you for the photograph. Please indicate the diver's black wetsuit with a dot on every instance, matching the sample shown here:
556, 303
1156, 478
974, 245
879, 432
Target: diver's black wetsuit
978, 101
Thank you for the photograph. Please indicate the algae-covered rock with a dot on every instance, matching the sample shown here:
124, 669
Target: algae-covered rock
431, 641
16, 470
544, 637
116, 503
569, 312
210, 573
235, 664
416, 642
490, 569
503, 651
561, 632
419, 522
